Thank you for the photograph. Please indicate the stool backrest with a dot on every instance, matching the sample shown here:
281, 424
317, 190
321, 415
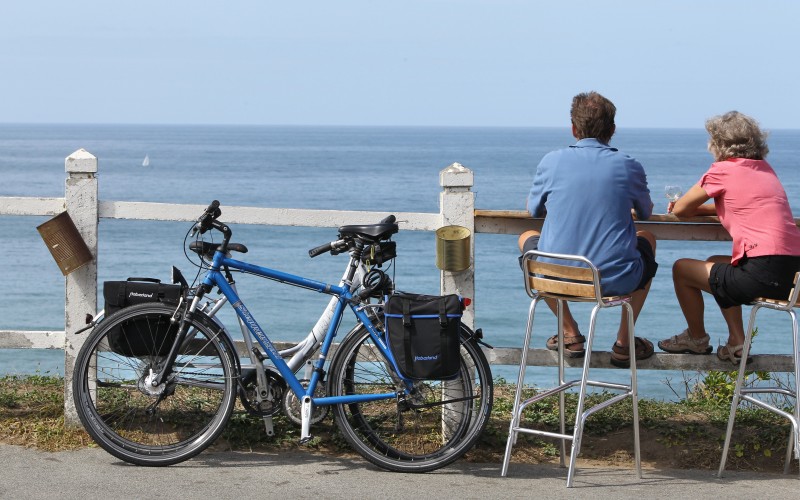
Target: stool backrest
794, 293
564, 278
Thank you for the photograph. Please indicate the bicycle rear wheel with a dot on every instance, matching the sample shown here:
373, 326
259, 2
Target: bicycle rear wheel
429, 429
141, 424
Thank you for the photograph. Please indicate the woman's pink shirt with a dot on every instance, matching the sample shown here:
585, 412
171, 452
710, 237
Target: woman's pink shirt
752, 206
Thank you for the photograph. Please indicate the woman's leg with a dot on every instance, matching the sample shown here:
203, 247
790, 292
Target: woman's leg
690, 278
733, 317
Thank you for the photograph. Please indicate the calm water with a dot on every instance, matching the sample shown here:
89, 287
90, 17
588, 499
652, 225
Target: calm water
375, 169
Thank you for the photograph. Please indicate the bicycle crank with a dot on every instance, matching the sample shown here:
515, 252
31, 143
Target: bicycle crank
292, 407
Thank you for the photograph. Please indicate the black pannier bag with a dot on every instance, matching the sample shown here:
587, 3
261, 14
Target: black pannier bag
140, 337
423, 334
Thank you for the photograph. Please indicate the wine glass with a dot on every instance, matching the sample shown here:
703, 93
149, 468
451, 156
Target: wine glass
672, 193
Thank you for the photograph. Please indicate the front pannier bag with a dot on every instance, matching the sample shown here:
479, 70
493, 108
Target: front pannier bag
423, 333
140, 337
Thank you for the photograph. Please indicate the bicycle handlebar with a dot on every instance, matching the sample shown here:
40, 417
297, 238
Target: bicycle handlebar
337, 246
209, 220
320, 249
209, 215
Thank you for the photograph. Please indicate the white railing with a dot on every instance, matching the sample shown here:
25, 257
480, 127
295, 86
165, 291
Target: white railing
456, 207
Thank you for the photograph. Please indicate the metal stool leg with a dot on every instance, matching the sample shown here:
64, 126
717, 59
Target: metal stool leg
634, 390
579, 414
561, 379
737, 392
515, 413
794, 435
787, 460
796, 355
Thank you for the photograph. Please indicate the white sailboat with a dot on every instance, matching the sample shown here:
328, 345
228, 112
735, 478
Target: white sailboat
146, 161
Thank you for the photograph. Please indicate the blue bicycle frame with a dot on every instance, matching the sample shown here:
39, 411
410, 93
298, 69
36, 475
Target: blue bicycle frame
215, 278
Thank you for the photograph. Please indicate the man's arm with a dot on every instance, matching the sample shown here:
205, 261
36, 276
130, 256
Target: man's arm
537, 196
640, 194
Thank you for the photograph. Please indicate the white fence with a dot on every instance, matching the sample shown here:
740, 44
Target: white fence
456, 207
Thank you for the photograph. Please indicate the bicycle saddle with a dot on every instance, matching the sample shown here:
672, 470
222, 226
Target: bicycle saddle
207, 249
373, 232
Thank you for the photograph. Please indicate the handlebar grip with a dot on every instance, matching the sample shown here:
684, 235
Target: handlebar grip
327, 247
210, 214
213, 209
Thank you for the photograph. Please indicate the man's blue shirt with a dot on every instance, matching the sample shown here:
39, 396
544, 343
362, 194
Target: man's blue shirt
587, 192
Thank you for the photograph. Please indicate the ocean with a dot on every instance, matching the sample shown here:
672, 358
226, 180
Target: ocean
384, 169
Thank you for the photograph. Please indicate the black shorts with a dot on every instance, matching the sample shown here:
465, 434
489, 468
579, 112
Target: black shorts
770, 276
648, 261
642, 244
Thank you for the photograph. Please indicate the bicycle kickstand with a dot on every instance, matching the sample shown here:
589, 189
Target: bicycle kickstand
268, 425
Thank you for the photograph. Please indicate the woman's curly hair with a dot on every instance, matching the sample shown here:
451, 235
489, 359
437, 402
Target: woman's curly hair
736, 135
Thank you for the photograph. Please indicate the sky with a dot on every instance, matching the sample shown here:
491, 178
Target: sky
513, 63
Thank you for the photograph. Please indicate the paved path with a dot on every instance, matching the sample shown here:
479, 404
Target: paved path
92, 473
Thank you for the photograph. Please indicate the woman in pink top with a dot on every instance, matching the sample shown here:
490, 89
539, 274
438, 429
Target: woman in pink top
752, 206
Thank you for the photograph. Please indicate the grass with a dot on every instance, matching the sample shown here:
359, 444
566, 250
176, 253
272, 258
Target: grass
32, 414
684, 434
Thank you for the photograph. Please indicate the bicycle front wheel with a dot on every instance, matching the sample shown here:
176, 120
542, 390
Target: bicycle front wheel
423, 431
147, 425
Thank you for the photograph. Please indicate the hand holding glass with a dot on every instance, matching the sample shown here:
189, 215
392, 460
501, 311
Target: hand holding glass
672, 193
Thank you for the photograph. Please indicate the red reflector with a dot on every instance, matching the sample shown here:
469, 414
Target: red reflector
467, 301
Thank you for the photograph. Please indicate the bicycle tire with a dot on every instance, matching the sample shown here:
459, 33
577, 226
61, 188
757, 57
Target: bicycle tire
125, 416
396, 437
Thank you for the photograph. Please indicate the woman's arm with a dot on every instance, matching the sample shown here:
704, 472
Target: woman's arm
692, 203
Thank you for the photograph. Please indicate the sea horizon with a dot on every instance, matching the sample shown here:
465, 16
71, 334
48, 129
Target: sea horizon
353, 126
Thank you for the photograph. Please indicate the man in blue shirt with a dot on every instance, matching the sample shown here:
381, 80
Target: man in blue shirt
587, 192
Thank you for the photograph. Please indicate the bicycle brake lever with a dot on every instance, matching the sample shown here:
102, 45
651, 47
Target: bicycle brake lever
477, 336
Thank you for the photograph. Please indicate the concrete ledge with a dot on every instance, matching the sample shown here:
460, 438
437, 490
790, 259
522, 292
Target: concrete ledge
659, 361
510, 356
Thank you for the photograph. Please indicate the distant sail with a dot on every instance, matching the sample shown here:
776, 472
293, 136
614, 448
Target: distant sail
146, 162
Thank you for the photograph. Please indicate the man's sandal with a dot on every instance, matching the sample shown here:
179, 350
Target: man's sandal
552, 344
620, 356
732, 353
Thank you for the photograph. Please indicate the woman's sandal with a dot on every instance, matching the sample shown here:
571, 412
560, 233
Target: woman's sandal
620, 356
552, 344
732, 353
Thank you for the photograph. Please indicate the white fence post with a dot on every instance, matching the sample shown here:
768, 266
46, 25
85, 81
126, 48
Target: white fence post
81, 284
457, 206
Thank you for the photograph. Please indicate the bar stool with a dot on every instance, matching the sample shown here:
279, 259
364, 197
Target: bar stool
741, 393
568, 283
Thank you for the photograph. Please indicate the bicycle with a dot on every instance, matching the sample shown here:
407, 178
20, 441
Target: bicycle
166, 397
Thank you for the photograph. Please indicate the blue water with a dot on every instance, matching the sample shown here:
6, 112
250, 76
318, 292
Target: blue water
337, 168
